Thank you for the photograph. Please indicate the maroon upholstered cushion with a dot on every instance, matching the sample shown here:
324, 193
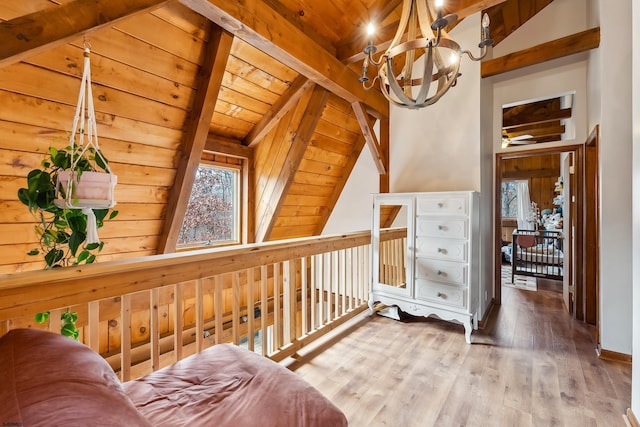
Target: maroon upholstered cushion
47, 379
227, 386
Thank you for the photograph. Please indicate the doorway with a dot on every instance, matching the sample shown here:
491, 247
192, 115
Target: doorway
580, 238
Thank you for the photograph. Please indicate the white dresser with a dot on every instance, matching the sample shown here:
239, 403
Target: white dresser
434, 270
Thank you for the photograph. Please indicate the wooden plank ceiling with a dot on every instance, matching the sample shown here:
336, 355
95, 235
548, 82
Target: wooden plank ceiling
284, 99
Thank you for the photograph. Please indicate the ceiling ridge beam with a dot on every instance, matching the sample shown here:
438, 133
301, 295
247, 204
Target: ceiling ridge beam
278, 110
258, 24
31, 34
366, 126
301, 139
208, 86
228, 146
565, 46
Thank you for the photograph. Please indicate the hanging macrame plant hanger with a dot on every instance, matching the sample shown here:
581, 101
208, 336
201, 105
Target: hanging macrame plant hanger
86, 190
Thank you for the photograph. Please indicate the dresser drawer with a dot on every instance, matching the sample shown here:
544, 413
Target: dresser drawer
441, 227
451, 205
441, 293
441, 271
447, 249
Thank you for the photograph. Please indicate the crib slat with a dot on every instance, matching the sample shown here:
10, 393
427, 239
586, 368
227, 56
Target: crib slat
235, 323
199, 316
54, 320
264, 308
218, 309
250, 309
154, 328
94, 326
178, 320
125, 338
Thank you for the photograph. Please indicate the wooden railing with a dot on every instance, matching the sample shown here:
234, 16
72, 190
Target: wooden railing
274, 298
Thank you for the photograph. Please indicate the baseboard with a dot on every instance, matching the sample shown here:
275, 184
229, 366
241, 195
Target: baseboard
483, 322
633, 421
614, 356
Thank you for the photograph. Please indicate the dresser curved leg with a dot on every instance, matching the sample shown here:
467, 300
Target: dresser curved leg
468, 327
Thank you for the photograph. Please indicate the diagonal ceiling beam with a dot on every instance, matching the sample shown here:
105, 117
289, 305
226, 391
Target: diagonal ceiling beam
34, 33
278, 110
261, 26
301, 137
369, 136
197, 130
565, 46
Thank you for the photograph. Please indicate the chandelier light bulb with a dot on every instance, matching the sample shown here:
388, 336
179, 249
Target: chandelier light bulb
439, 4
454, 58
485, 21
370, 29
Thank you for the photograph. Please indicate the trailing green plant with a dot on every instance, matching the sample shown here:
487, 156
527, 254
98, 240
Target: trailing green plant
61, 231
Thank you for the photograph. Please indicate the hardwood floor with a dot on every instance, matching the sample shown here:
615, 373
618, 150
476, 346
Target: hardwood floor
533, 365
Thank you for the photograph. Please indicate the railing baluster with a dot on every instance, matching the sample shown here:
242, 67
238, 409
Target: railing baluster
154, 328
217, 299
93, 308
343, 279
314, 292
289, 301
277, 324
320, 290
335, 283
235, 311
264, 308
54, 320
199, 316
178, 320
250, 310
125, 338
304, 277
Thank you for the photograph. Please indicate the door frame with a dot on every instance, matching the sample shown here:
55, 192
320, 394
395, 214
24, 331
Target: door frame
577, 191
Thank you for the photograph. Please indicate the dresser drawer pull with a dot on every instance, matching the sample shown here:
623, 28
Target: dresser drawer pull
440, 205
441, 295
440, 273
442, 251
441, 227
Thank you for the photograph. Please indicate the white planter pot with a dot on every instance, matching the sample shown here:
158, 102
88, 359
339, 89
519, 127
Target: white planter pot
93, 190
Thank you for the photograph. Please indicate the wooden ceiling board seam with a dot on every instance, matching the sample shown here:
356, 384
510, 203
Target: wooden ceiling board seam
248, 88
246, 102
268, 64
236, 111
115, 75
164, 36
182, 17
330, 144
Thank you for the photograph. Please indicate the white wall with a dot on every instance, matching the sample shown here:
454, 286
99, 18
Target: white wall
611, 79
635, 381
353, 211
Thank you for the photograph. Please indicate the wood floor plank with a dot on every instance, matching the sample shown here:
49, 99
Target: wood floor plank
533, 365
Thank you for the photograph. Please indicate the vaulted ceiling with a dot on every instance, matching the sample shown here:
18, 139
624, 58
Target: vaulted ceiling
272, 83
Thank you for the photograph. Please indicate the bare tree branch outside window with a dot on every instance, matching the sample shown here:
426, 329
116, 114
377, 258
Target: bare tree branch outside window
509, 199
211, 212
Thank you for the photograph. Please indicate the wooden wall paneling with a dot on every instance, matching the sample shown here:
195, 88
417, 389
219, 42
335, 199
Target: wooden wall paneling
277, 306
218, 310
290, 46
199, 304
346, 172
235, 316
251, 282
301, 136
27, 35
252, 55
195, 138
185, 19
125, 338
178, 322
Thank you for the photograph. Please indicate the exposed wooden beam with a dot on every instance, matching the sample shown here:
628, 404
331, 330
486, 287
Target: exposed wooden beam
227, 146
301, 138
278, 110
366, 126
261, 26
526, 174
39, 31
337, 190
565, 46
197, 129
540, 132
536, 118
464, 8
384, 149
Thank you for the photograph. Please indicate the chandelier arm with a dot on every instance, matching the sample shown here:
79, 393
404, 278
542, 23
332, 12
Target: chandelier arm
373, 82
424, 19
483, 53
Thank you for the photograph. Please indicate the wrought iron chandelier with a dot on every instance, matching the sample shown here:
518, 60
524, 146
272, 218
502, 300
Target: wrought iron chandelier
441, 56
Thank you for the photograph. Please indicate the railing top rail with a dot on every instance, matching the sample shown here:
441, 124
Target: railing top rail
30, 292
